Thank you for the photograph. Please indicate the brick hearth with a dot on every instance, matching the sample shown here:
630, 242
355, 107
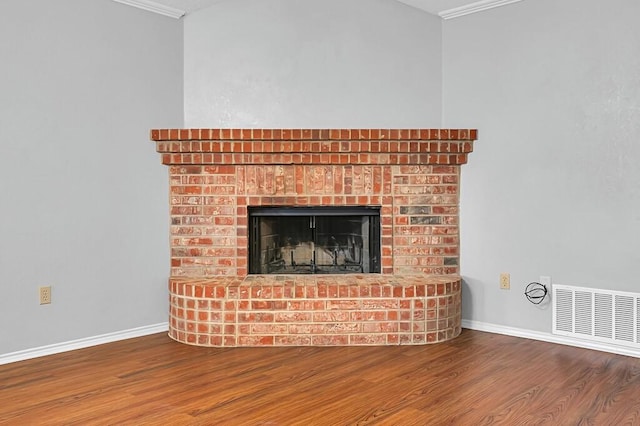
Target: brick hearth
411, 174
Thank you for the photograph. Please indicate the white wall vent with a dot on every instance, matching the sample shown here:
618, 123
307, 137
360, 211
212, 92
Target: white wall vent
599, 315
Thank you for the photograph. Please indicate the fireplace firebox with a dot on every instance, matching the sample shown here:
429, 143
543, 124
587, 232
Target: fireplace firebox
314, 240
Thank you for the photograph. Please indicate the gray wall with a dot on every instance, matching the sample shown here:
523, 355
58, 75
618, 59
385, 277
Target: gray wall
323, 63
552, 188
554, 185
83, 196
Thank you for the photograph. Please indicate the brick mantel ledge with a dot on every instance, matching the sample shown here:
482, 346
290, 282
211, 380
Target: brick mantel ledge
314, 146
312, 134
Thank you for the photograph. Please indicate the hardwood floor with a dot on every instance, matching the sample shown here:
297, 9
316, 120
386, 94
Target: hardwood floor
476, 379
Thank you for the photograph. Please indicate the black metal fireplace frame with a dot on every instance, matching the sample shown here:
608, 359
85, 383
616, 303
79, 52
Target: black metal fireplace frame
312, 213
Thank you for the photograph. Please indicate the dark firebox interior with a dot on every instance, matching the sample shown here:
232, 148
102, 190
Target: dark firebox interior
314, 240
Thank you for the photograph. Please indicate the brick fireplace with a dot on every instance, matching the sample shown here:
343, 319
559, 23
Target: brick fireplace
411, 176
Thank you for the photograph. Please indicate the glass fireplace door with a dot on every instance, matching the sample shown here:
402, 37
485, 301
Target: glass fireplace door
301, 240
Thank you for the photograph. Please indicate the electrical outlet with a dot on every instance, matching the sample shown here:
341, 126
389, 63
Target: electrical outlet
45, 295
545, 281
505, 281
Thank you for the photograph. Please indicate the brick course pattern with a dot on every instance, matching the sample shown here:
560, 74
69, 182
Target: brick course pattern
319, 310
216, 174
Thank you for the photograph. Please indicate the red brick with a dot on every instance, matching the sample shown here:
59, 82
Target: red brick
196, 216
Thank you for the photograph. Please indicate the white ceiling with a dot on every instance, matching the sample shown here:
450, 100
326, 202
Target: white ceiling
432, 6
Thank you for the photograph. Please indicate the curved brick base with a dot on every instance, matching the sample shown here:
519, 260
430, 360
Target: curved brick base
320, 310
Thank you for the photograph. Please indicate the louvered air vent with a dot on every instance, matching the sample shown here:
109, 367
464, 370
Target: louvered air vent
599, 315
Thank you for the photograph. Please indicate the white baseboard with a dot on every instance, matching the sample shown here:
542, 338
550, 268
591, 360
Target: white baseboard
548, 337
162, 327
83, 343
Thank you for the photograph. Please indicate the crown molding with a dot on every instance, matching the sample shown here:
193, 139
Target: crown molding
154, 7
478, 6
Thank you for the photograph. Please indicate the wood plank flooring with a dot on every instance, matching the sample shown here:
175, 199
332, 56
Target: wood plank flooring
476, 379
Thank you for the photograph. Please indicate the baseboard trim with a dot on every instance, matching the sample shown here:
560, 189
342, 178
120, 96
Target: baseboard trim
83, 343
548, 337
163, 327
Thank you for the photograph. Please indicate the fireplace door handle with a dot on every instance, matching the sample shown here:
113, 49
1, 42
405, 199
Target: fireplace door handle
312, 222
